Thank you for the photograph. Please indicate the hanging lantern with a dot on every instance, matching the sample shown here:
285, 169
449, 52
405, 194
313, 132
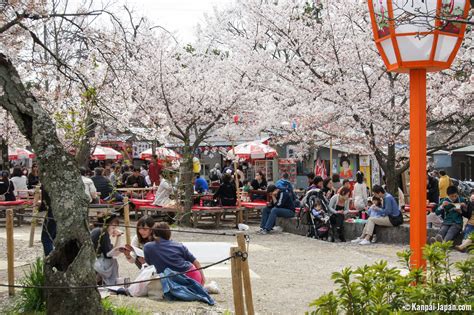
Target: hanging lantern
236, 119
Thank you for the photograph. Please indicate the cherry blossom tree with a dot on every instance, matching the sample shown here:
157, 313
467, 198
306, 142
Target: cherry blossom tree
316, 63
57, 63
198, 90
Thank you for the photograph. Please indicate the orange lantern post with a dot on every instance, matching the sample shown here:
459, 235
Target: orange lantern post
417, 37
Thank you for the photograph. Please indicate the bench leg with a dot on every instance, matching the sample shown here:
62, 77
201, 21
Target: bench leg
195, 220
218, 219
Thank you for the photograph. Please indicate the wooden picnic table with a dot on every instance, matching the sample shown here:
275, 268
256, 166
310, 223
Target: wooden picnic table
18, 207
135, 190
198, 212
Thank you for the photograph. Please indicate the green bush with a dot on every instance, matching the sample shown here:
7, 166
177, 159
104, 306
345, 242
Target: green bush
32, 300
378, 289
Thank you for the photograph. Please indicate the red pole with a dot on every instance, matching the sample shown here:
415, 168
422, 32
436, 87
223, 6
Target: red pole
417, 165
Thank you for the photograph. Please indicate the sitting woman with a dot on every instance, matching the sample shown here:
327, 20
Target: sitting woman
144, 235
259, 183
6, 187
338, 208
106, 264
164, 253
165, 189
227, 194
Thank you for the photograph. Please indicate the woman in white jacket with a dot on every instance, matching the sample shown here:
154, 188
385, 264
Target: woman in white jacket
360, 192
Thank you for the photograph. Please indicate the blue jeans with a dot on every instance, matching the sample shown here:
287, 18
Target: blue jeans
48, 234
269, 216
468, 230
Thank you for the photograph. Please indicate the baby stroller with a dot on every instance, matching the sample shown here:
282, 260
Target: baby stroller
315, 214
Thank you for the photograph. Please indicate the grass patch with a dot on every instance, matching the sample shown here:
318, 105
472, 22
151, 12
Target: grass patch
110, 308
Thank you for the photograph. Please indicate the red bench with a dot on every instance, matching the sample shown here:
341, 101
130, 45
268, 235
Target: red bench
18, 207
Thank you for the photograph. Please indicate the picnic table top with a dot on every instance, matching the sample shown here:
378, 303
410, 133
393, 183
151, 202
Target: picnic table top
13, 203
253, 204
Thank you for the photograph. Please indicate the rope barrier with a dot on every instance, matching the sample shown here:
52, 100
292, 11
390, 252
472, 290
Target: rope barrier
154, 229
239, 254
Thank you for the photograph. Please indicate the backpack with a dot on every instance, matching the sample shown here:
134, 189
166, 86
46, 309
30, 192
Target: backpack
213, 175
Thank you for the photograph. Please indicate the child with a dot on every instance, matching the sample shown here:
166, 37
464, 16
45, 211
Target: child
246, 188
376, 207
318, 211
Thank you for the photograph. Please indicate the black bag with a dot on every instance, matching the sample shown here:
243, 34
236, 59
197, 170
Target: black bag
396, 220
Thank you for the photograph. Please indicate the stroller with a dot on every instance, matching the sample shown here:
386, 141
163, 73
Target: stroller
314, 213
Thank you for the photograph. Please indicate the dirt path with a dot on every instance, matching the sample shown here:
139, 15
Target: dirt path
290, 271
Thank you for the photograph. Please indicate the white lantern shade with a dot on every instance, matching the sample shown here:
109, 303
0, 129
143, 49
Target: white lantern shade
418, 34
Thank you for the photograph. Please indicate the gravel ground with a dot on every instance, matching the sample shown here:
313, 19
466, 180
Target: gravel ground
292, 270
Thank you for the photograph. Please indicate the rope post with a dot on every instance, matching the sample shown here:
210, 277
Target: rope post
10, 252
236, 269
246, 275
36, 199
237, 186
126, 216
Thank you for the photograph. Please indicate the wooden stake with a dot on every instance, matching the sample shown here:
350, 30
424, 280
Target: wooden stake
126, 215
246, 275
36, 199
236, 269
10, 252
237, 186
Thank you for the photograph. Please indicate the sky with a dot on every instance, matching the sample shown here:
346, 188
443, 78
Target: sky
177, 16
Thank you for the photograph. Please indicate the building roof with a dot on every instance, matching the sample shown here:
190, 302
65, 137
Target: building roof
469, 148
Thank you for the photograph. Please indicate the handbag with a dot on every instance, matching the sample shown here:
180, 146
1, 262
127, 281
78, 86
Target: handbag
396, 220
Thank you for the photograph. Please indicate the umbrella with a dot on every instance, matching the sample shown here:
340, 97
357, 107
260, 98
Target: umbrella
18, 154
162, 153
253, 150
105, 153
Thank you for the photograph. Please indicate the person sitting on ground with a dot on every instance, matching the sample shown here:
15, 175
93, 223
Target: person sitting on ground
33, 177
89, 188
226, 194
106, 265
284, 184
200, 184
338, 208
104, 187
432, 188
281, 205
390, 210
144, 235
346, 183
469, 229
164, 253
328, 188
6, 187
19, 183
360, 192
451, 208
310, 176
165, 189
136, 180
375, 210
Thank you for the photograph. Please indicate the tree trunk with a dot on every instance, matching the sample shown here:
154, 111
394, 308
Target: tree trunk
71, 262
186, 184
391, 175
4, 151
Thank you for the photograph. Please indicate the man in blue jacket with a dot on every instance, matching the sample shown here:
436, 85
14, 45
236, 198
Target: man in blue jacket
281, 205
390, 209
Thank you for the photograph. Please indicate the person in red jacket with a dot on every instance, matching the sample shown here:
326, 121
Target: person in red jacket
154, 170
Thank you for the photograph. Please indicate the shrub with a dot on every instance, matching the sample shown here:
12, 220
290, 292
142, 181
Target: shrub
378, 289
31, 300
